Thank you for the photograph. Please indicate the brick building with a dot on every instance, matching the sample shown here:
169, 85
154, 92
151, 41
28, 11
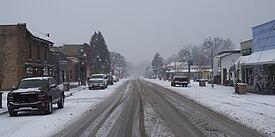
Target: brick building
59, 59
79, 60
26, 54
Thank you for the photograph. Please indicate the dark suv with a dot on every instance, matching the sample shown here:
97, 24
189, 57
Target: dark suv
110, 79
180, 80
35, 94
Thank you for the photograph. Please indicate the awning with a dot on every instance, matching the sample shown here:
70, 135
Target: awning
242, 59
262, 57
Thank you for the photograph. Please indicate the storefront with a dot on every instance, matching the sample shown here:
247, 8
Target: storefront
259, 70
36, 69
260, 78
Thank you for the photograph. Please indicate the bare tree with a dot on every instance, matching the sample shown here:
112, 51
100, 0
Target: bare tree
218, 44
236, 69
184, 52
172, 58
117, 61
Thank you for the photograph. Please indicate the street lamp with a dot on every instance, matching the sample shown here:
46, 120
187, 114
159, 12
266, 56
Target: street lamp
189, 62
98, 64
209, 45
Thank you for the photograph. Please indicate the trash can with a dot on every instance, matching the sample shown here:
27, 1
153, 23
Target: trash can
202, 83
1, 99
83, 82
66, 86
242, 88
237, 89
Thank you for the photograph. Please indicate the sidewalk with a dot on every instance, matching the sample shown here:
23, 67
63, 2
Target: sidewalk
73, 89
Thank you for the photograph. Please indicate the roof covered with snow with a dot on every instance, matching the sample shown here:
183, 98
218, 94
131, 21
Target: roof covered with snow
40, 35
228, 52
37, 78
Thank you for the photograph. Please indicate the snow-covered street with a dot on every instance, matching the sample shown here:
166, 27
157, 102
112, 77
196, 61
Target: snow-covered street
254, 110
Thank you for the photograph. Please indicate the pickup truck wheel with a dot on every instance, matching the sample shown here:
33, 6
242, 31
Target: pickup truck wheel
60, 103
49, 107
90, 88
13, 113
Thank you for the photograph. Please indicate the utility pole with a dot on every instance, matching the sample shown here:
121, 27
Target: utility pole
210, 47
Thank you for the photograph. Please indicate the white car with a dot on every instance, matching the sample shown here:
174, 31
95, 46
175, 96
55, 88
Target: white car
98, 81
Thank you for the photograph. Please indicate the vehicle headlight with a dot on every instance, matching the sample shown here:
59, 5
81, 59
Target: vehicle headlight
42, 96
10, 97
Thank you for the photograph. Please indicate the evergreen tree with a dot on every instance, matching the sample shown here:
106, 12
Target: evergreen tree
100, 54
157, 63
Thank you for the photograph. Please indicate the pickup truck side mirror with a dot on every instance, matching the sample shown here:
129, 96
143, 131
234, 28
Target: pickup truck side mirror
53, 85
13, 88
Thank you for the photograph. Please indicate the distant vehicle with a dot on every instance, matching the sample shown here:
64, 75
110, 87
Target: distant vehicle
110, 79
35, 94
98, 81
115, 78
180, 80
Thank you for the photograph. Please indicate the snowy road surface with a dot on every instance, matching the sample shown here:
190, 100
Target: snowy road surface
144, 109
139, 108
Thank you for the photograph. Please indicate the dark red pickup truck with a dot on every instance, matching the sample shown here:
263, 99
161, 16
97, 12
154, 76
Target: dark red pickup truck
35, 94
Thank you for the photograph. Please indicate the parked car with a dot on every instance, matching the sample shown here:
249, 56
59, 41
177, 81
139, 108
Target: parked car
98, 81
110, 79
115, 78
35, 94
180, 80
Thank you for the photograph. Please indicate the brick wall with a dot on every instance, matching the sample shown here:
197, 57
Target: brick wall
12, 37
15, 41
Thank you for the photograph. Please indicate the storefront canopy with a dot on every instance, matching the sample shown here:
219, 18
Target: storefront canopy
242, 59
262, 57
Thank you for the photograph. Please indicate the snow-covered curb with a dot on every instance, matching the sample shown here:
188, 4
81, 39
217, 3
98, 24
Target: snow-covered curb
26, 125
67, 94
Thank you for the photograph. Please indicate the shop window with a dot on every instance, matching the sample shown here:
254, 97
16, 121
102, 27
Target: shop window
29, 71
45, 71
38, 52
30, 51
45, 53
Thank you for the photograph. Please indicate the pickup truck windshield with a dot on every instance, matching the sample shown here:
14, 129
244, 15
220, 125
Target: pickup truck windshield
97, 76
180, 79
32, 84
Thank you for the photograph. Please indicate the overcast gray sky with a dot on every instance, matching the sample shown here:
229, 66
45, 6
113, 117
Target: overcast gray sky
139, 28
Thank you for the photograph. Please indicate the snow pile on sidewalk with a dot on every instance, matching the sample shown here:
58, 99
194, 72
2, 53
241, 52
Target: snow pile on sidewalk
254, 110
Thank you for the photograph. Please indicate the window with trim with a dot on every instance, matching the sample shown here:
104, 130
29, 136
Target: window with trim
38, 52
30, 51
45, 53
